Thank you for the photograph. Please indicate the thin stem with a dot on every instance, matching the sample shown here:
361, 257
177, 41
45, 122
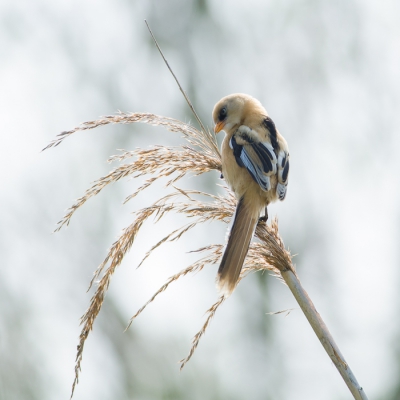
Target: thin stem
179, 85
323, 334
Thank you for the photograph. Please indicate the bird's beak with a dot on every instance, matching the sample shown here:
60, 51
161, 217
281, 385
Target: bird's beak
219, 126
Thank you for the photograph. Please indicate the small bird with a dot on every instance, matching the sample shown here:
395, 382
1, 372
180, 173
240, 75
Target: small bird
255, 164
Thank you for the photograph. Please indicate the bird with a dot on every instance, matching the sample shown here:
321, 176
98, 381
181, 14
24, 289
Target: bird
255, 165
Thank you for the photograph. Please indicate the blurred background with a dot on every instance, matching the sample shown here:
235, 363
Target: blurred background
329, 75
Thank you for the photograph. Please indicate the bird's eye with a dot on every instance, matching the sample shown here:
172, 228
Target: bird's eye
222, 114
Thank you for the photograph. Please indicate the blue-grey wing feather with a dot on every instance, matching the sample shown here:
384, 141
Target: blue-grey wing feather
257, 157
261, 160
255, 171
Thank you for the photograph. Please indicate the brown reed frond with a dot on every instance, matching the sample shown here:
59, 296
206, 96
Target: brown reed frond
273, 250
210, 313
202, 139
211, 259
159, 160
270, 255
219, 209
198, 157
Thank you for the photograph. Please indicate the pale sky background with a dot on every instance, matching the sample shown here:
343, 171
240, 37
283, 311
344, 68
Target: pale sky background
329, 75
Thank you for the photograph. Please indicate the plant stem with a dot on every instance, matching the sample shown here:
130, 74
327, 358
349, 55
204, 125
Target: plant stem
323, 334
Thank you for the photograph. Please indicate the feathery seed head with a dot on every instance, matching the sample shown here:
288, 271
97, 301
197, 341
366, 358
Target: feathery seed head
197, 156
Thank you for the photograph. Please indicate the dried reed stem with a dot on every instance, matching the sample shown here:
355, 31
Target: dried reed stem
280, 259
180, 87
323, 334
271, 254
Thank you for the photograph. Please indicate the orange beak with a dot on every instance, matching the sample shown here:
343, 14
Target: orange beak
219, 126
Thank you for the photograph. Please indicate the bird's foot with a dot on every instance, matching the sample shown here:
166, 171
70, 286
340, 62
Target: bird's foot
264, 218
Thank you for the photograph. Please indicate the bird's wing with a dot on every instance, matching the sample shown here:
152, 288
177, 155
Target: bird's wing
283, 174
257, 156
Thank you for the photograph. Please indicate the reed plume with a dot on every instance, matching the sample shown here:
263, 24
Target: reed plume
197, 154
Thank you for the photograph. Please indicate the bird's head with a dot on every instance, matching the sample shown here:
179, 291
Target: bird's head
231, 110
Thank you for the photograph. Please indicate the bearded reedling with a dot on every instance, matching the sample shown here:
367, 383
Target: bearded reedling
255, 164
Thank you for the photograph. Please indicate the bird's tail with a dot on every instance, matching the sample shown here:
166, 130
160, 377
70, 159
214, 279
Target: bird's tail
244, 224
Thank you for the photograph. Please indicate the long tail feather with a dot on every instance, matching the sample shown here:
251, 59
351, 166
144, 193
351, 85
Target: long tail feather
242, 231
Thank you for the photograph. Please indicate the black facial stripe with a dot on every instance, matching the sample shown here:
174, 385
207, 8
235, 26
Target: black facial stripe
222, 114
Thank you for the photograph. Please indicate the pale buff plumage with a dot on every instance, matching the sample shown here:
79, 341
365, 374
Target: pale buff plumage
255, 165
